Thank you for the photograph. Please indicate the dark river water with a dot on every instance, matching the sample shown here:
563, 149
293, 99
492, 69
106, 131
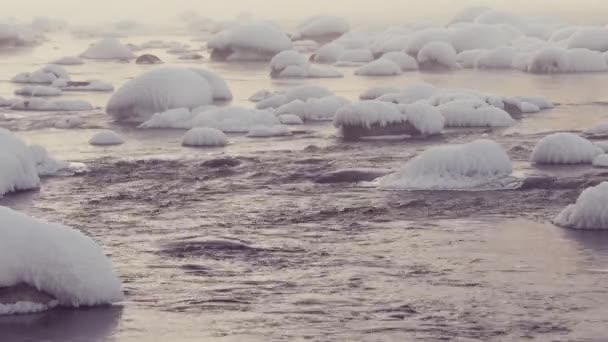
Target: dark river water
253, 247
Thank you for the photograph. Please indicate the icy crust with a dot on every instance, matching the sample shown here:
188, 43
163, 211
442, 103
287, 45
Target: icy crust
292, 64
18, 170
589, 211
479, 164
204, 136
166, 88
106, 138
564, 148
249, 41
368, 113
313, 109
322, 26
108, 48
38, 104
57, 260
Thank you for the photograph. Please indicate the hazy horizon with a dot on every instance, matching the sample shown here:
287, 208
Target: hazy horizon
78, 11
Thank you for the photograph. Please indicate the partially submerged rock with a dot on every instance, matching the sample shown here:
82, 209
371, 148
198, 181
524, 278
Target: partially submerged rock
148, 59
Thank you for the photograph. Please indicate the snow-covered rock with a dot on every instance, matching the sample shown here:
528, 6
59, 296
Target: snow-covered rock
68, 60
380, 67
268, 131
564, 148
16, 35
249, 41
559, 60
355, 56
403, 60
69, 122
91, 85
499, 58
292, 64
46, 75
290, 119
601, 161
590, 38
313, 109
589, 211
437, 54
38, 90
108, 48
17, 166
368, 113
305, 92
234, 119
58, 261
479, 164
38, 104
474, 113
106, 137
376, 92
165, 88
204, 136
322, 27
425, 118
597, 131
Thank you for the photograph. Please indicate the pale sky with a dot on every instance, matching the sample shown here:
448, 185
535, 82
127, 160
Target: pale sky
160, 11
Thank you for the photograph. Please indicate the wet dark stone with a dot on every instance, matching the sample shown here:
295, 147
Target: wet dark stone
512, 108
78, 83
221, 162
148, 59
23, 293
349, 176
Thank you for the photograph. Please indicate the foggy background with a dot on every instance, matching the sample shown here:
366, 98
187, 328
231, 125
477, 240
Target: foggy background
82, 11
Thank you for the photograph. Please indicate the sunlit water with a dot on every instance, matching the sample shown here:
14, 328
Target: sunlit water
259, 251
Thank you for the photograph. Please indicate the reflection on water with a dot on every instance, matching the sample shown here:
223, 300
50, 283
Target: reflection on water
62, 325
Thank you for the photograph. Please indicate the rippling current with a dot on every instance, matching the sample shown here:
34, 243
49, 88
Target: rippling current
254, 242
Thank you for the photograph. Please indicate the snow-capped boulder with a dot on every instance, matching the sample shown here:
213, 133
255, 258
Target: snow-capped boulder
17, 166
268, 131
372, 118
234, 119
598, 131
165, 88
474, 113
564, 148
425, 118
420, 38
292, 64
68, 60
204, 137
403, 60
321, 28
437, 55
38, 104
16, 35
499, 58
249, 41
376, 92
355, 56
305, 92
46, 75
313, 109
108, 48
106, 137
479, 164
219, 88
50, 264
601, 161
91, 85
329, 53
589, 211
261, 95
38, 90
590, 38
290, 119
380, 67
148, 59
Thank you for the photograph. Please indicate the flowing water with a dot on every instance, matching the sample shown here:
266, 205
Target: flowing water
253, 247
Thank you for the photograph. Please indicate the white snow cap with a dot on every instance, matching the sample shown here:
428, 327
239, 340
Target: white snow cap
204, 136
38, 91
165, 88
290, 119
564, 148
321, 26
108, 48
474, 113
314, 109
601, 161
437, 54
17, 165
481, 163
106, 137
424, 117
68, 60
292, 64
589, 211
380, 67
368, 113
55, 259
250, 41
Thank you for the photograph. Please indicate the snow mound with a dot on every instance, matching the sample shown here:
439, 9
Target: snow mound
376, 92
380, 67
368, 113
108, 48
558, 60
589, 211
234, 119
474, 113
249, 41
481, 163
425, 118
601, 161
499, 58
437, 54
162, 89
204, 136
18, 169
313, 109
328, 53
68, 60
292, 64
268, 131
173, 118
261, 95
57, 260
321, 27
290, 119
38, 91
403, 60
106, 138
37, 104
564, 148
219, 88
590, 38
45, 75
355, 56
598, 131
306, 92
